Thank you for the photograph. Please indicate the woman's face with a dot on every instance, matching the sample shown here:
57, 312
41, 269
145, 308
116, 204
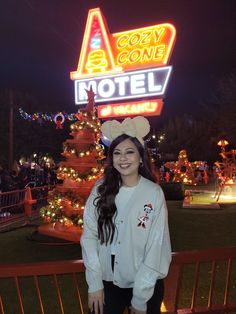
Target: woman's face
126, 158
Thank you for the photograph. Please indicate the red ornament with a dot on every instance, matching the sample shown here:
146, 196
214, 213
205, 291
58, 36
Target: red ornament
59, 120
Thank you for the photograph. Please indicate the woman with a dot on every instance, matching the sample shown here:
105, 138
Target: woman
125, 243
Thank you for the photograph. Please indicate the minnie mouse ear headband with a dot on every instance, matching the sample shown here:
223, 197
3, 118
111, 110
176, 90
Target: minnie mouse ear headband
137, 127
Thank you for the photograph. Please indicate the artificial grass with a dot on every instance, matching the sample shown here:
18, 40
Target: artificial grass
48, 294
190, 229
21, 245
195, 229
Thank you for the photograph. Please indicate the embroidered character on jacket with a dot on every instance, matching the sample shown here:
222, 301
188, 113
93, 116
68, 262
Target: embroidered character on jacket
144, 219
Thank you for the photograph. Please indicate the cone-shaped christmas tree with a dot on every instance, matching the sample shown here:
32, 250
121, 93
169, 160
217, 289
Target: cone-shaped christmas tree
80, 170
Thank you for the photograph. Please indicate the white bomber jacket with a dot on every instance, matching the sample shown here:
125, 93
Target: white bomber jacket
143, 250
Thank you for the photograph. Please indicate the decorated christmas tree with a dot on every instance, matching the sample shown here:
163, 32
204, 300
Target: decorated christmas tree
81, 168
183, 169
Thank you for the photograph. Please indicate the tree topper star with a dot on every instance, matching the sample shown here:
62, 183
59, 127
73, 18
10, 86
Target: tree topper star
91, 95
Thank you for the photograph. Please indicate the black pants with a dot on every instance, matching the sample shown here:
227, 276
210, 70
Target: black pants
117, 299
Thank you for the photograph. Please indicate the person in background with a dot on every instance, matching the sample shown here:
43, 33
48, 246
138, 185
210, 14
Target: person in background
6, 180
125, 242
24, 175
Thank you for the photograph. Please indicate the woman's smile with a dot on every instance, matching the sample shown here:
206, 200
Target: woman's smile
124, 165
126, 160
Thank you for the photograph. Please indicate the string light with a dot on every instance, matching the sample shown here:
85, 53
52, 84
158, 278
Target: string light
45, 116
69, 152
64, 172
183, 169
55, 212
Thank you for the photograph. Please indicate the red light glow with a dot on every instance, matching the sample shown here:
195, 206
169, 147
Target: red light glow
145, 108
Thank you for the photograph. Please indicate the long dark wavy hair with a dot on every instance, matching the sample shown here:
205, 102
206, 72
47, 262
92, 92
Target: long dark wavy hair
107, 191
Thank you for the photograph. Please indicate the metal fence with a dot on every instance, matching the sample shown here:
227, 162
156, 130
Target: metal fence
13, 203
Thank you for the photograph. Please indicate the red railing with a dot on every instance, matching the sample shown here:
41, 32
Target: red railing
70, 294
39, 276
19, 203
210, 271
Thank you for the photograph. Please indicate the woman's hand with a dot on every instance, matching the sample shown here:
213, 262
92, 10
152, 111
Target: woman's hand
95, 301
134, 311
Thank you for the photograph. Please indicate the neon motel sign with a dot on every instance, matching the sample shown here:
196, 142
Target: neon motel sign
126, 66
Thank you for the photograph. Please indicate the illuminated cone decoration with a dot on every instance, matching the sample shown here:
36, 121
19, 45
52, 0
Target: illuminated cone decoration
83, 152
79, 171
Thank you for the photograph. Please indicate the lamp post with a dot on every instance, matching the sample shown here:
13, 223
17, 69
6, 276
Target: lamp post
11, 113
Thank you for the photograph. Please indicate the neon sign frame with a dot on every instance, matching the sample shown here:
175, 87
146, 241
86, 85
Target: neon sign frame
124, 86
96, 30
105, 57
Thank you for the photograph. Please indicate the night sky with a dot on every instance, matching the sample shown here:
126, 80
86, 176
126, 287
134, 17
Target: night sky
40, 43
